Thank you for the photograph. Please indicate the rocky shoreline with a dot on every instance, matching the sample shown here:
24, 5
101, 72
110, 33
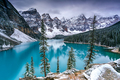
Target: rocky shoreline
112, 49
4, 49
106, 71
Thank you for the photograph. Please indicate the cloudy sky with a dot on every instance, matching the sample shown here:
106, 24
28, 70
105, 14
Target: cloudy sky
70, 8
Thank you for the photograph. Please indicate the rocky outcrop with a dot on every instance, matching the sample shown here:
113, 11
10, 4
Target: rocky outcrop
104, 71
107, 71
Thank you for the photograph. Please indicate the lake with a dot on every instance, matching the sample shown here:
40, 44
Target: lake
13, 61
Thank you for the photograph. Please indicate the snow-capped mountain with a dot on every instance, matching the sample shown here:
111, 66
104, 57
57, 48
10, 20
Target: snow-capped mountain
64, 26
81, 23
33, 18
53, 26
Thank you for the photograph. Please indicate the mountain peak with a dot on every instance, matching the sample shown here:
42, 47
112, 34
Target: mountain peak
46, 15
82, 16
30, 11
116, 16
63, 19
56, 18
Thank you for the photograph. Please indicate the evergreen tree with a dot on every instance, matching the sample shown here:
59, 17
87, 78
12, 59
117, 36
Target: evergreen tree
69, 64
27, 73
1, 43
71, 60
91, 55
119, 48
45, 66
32, 68
58, 64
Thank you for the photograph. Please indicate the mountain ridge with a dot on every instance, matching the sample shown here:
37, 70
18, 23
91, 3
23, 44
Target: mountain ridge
74, 25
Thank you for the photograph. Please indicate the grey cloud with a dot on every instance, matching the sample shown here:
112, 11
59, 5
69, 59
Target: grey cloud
70, 8
54, 11
22, 4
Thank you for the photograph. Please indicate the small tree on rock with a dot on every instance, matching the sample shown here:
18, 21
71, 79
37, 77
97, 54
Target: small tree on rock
45, 66
69, 64
71, 60
91, 54
32, 68
58, 64
27, 73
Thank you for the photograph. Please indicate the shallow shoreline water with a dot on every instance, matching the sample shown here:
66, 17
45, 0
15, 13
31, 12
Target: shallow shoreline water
112, 49
5, 49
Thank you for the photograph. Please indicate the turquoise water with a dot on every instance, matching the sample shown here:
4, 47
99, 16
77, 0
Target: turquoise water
12, 62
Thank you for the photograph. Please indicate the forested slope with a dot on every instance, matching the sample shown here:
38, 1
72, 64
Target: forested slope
109, 36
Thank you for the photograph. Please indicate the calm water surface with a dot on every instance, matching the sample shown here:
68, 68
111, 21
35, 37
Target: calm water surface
12, 62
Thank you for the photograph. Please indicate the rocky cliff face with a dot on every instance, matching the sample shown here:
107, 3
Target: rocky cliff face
33, 18
10, 19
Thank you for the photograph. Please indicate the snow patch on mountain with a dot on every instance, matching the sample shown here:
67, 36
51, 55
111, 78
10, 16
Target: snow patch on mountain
7, 37
20, 36
6, 46
58, 32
